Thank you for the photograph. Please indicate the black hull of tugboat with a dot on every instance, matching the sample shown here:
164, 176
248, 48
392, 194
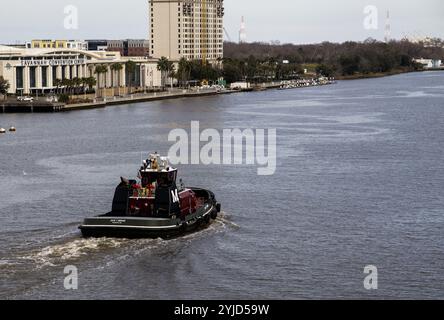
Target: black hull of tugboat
139, 227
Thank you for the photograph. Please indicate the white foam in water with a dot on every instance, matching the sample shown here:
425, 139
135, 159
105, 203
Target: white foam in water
225, 222
5, 263
417, 94
54, 255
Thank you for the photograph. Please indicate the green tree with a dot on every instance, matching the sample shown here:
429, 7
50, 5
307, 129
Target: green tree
349, 64
90, 82
4, 87
231, 70
325, 70
116, 68
100, 70
84, 84
166, 67
76, 83
130, 67
66, 84
57, 84
184, 71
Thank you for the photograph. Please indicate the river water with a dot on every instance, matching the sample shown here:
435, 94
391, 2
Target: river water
359, 181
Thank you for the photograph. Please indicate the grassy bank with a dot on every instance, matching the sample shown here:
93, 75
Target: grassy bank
375, 74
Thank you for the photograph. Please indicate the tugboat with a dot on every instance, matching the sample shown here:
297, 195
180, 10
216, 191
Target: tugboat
154, 207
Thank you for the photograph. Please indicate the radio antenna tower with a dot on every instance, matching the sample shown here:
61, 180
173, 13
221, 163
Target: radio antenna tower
242, 32
388, 28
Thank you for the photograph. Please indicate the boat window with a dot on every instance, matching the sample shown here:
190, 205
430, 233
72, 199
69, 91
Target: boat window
167, 179
148, 179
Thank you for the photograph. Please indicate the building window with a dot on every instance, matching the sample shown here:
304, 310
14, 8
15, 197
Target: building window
32, 77
19, 77
44, 77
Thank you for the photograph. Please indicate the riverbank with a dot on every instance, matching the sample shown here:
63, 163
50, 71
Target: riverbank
12, 106
377, 75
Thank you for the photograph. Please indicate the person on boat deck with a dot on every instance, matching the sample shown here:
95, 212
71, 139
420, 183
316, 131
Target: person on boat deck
155, 165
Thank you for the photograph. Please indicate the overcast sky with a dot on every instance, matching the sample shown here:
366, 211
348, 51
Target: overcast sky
292, 21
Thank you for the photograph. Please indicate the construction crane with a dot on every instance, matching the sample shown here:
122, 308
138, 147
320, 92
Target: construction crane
227, 35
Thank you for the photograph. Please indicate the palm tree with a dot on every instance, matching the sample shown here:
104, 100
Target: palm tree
130, 67
166, 67
184, 71
99, 70
66, 83
172, 75
105, 73
76, 82
116, 67
91, 82
57, 84
84, 83
4, 87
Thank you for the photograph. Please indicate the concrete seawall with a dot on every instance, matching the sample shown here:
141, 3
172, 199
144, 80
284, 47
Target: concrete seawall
36, 107
49, 107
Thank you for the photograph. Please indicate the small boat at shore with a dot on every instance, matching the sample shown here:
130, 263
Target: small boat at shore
305, 83
154, 207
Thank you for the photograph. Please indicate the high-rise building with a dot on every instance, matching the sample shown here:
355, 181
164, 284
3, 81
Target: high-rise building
186, 28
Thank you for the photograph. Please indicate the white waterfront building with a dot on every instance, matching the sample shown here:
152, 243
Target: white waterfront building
33, 71
429, 63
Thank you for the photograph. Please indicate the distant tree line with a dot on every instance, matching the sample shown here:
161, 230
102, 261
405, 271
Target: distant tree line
259, 62
264, 61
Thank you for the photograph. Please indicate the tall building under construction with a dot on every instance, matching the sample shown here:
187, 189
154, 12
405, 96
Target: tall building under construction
186, 28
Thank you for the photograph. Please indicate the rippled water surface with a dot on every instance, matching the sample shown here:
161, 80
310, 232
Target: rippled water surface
359, 181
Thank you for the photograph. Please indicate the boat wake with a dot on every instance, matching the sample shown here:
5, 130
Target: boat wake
61, 253
76, 249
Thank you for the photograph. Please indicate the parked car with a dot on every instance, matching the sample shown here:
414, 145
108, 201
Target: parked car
25, 99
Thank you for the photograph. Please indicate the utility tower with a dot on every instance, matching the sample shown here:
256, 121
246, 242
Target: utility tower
388, 28
242, 31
